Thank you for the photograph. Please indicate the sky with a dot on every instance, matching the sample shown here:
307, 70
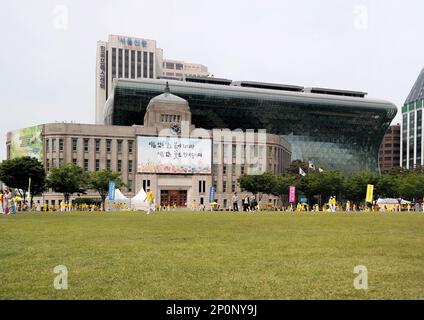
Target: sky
48, 48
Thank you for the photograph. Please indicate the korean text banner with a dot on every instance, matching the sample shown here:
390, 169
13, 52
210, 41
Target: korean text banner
27, 142
174, 155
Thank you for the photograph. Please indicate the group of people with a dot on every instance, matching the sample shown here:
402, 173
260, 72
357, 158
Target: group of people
11, 202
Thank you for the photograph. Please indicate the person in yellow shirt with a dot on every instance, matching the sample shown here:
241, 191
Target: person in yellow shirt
150, 200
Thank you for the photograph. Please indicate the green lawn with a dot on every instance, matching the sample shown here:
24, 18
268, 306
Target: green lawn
189, 255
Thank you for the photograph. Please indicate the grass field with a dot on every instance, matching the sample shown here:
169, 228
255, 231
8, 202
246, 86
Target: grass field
189, 255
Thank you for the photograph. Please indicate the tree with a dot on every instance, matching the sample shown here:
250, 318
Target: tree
15, 173
283, 183
99, 181
67, 179
322, 184
295, 165
387, 186
356, 185
258, 184
411, 186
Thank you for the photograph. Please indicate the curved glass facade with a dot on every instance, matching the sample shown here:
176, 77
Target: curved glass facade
337, 132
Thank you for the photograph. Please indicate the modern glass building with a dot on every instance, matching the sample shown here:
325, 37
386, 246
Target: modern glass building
334, 128
411, 153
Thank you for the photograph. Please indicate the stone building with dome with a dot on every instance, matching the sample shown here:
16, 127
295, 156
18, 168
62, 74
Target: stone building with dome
168, 154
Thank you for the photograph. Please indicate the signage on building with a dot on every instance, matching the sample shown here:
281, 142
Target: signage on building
174, 155
132, 42
27, 142
102, 73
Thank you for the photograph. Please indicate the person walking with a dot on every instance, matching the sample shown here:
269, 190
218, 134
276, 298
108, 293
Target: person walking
150, 200
246, 203
235, 202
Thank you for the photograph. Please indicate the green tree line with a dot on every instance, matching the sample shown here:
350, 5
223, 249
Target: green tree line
318, 187
67, 179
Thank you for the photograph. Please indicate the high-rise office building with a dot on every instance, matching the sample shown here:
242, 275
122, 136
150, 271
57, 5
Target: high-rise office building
126, 58
180, 69
389, 156
411, 151
135, 58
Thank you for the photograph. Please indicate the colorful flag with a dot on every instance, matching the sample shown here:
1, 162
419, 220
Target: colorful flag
370, 193
301, 172
292, 194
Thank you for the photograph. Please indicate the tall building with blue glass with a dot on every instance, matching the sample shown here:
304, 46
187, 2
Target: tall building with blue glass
411, 149
337, 129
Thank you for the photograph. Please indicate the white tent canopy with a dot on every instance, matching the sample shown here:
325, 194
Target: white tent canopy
392, 201
119, 196
138, 202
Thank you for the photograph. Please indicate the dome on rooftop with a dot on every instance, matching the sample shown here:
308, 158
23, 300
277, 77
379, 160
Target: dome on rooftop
168, 97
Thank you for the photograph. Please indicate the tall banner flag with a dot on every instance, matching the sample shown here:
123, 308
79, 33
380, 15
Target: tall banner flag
112, 186
29, 189
212, 191
292, 194
370, 193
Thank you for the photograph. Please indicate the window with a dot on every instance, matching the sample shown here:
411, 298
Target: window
97, 145
119, 167
113, 63
74, 161
151, 65
224, 169
47, 164
200, 186
86, 145
138, 64
130, 185
132, 64
204, 185
47, 146
130, 166
224, 186
120, 63
85, 164
146, 184
127, 63
97, 164
144, 64
233, 186
108, 164
61, 162
241, 170
74, 144
108, 145
119, 146
53, 145
130, 146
